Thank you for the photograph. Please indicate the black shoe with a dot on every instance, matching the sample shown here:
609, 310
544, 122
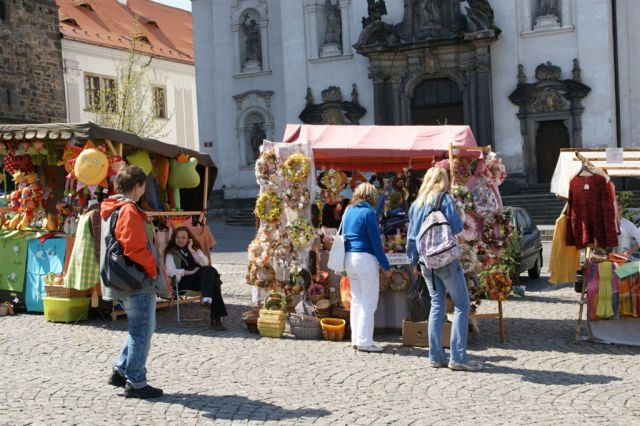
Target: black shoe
142, 393
117, 380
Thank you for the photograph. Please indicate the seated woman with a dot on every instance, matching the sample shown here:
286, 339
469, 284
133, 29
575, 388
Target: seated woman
186, 261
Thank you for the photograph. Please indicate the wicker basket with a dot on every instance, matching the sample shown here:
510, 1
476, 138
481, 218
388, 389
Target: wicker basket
271, 323
333, 328
305, 327
323, 308
65, 293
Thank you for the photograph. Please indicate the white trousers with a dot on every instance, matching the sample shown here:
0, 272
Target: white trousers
362, 270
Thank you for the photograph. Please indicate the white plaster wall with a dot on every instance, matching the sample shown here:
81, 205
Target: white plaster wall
595, 51
628, 14
179, 80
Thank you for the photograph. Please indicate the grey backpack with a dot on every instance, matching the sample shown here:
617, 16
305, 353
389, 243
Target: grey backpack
437, 245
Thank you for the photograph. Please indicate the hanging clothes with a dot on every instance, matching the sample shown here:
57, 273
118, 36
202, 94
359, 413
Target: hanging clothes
592, 289
624, 297
42, 258
604, 307
565, 259
13, 261
83, 272
615, 288
203, 235
591, 213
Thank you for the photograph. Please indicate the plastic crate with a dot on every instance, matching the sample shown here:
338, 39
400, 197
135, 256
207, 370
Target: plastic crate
57, 309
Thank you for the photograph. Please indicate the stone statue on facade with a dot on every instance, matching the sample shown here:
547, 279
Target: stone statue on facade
334, 23
375, 10
257, 136
480, 16
427, 17
547, 7
252, 43
547, 15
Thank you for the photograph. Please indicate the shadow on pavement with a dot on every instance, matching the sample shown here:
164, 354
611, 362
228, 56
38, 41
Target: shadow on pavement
234, 407
545, 377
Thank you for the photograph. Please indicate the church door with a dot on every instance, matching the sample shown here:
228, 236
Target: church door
550, 138
437, 101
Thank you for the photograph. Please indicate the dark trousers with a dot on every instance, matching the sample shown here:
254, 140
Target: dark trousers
207, 281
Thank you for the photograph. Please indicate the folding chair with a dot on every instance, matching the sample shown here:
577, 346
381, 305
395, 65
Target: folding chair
188, 299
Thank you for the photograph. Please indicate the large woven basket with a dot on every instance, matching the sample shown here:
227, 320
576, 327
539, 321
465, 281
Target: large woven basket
305, 327
65, 293
271, 323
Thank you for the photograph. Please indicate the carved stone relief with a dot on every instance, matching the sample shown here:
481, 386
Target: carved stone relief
547, 15
254, 123
333, 109
333, 34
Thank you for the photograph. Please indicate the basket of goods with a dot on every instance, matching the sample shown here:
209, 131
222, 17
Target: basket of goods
305, 327
271, 321
323, 308
333, 328
339, 312
250, 319
316, 292
54, 287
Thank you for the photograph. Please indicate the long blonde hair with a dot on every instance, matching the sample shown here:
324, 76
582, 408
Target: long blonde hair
365, 192
436, 180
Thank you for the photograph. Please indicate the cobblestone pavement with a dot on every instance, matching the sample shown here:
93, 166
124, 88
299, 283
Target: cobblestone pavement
56, 373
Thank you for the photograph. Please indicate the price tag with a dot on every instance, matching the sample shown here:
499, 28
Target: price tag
398, 258
614, 155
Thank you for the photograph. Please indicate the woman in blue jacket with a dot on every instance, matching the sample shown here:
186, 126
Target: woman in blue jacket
449, 278
363, 257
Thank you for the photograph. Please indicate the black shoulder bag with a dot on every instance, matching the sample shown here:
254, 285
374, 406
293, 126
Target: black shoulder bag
118, 271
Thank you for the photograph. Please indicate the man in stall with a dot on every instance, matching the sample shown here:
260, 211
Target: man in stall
629, 238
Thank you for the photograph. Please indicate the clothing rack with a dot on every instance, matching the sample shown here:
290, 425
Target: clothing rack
499, 315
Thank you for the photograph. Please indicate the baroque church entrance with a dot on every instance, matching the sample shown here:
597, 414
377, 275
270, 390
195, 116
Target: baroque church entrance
434, 67
550, 138
437, 101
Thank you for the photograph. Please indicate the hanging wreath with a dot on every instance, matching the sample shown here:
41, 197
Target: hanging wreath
494, 171
462, 169
496, 232
399, 278
297, 167
261, 275
332, 180
484, 200
268, 206
297, 196
356, 179
497, 283
259, 252
300, 232
267, 167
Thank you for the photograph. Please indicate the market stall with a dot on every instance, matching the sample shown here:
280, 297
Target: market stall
393, 158
53, 176
588, 228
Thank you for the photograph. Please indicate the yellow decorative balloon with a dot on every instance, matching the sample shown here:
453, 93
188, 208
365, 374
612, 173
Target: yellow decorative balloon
91, 166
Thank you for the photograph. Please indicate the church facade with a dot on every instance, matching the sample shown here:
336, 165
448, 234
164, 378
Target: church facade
530, 77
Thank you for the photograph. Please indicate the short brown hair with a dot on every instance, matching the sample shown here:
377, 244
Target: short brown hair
128, 178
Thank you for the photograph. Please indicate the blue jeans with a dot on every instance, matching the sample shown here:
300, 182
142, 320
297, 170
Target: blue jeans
141, 320
449, 278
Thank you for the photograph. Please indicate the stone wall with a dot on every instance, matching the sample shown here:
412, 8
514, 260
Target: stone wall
31, 73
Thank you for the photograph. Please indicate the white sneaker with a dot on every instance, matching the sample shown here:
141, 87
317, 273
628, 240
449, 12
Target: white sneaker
372, 348
471, 366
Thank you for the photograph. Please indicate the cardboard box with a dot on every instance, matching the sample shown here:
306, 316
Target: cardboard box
416, 334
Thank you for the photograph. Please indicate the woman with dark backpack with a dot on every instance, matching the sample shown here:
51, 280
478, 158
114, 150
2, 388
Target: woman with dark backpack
448, 278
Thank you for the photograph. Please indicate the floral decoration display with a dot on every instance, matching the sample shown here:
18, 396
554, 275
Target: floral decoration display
484, 200
399, 278
300, 232
470, 228
297, 167
297, 196
259, 252
356, 179
494, 171
268, 206
496, 282
462, 169
463, 197
268, 170
261, 275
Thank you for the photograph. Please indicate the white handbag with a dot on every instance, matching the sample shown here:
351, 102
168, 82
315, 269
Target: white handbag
336, 254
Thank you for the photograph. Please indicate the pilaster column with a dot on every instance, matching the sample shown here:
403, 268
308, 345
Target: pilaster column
311, 13
527, 21
566, 13
379, 104
238, 59
345, 19
264, 42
